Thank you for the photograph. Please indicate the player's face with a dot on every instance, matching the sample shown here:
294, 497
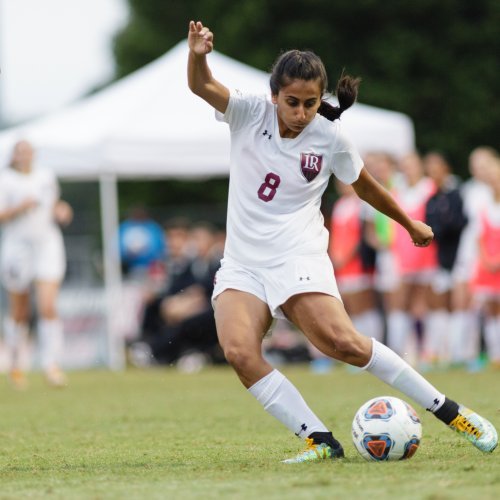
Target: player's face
436, 168
297, 104
22, 156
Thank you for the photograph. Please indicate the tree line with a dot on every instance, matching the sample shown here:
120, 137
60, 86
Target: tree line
435, 60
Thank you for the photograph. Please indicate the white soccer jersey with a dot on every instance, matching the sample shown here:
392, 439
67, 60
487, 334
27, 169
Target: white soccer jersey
276, 184
15, 187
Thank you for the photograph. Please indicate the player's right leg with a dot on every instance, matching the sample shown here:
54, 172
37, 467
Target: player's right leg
324, 321
15, 333
242, 321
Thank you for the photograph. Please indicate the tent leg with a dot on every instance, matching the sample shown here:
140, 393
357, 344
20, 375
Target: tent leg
115, 345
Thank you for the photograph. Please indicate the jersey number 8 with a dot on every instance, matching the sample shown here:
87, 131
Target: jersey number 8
268, 188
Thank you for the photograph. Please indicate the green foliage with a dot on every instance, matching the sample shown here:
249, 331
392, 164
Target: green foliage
161, 434
436, 61
170, 198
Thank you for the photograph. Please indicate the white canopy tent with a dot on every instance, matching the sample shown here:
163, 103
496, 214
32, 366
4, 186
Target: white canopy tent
148, 124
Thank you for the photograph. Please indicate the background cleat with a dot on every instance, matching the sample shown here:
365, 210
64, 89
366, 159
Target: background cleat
315, 452
17, 379
476, 429
56, 378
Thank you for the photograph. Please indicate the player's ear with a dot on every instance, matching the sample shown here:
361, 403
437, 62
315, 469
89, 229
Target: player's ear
274, 99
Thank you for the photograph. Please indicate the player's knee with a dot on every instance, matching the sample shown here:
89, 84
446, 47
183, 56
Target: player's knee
349, 344
48, 311
238, 357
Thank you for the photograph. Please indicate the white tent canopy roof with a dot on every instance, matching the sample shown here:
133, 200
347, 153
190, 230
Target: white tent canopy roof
149, 124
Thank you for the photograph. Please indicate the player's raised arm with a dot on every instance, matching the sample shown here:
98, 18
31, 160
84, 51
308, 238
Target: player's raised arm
200, 79
369, 190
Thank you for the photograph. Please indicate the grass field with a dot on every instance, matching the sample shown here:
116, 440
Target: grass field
160, 434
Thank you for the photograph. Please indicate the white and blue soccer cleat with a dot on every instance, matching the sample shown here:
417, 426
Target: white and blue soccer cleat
476, 429
315, 452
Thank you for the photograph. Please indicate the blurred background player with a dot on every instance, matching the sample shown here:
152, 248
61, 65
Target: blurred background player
32, 252
444, 212
414, 266
379, 233
466, 320
486, 276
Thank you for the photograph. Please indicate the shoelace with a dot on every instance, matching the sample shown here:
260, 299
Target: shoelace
462, 424
312, 446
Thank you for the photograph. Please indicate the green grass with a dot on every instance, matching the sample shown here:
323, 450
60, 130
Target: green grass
160, 434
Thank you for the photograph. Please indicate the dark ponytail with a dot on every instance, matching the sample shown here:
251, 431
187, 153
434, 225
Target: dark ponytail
346, 92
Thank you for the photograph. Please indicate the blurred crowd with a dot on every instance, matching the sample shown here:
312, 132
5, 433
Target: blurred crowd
437, 306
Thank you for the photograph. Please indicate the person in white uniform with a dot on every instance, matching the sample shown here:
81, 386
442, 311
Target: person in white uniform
283, 152
32, 252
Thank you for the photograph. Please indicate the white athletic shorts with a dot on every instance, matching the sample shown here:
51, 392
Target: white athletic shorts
387, 277
442, 281
275, 285
24, 261
355, 284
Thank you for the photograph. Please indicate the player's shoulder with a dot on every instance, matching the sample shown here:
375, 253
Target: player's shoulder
244, 108
333, 132
333, 128
252, 101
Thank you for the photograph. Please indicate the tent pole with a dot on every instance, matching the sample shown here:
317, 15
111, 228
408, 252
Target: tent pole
108, 188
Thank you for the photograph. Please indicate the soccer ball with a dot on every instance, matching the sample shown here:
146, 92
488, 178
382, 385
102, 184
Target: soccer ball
386, 428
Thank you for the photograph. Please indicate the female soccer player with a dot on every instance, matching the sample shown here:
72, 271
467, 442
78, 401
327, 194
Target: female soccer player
283, 152
32, 251
486, 277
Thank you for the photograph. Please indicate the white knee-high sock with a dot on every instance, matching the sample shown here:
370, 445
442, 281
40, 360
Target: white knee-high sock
282, 400
492, 338
369, 323
464, 336
390, 368
14, 335
436, 335
458, 335
399, 329
50, 338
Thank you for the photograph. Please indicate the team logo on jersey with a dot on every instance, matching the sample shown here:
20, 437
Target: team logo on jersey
310, 165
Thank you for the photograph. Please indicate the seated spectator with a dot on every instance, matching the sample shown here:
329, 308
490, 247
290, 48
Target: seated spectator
180, 320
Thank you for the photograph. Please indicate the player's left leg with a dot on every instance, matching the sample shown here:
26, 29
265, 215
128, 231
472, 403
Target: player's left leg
242, 320
325, 322
50, 333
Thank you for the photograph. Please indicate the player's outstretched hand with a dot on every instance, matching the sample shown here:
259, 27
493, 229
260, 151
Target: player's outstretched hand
200, 38
421, 234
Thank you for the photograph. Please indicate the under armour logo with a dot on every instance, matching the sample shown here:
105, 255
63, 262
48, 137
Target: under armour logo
267, 133
303, 428
434, 405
